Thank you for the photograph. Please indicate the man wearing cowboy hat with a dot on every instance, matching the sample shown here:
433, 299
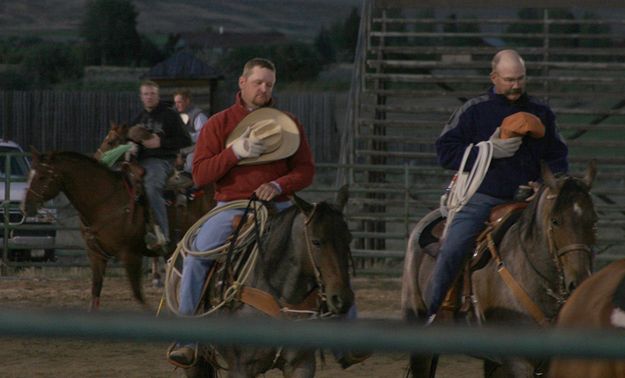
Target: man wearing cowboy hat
249, 148
522, 131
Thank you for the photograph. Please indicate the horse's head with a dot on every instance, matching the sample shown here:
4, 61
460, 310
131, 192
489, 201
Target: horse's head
117, 135
328, 239
43, 182
570, 218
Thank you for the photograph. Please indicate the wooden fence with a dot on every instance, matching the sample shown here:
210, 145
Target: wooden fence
79, 120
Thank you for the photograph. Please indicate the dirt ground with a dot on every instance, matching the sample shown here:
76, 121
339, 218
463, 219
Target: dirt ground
36, 289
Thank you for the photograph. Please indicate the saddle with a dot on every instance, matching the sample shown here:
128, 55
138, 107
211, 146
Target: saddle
501, 218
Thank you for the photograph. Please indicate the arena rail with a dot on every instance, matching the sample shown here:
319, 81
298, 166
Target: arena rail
378, 335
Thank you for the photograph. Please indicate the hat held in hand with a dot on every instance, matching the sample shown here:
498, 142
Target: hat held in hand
521, 124
276, 129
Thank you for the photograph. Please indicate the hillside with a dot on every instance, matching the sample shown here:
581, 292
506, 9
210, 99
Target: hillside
299, 19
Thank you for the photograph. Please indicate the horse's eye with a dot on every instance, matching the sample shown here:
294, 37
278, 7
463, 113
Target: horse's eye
555, 222
316, 242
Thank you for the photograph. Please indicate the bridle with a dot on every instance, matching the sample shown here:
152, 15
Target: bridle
313, 261
49, 170
107, 141
557, 252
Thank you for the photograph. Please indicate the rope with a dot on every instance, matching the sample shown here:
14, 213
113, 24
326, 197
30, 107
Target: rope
466, 184
185, 248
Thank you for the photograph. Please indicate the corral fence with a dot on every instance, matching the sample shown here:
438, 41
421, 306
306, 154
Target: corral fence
415, 66
78, 120
378, 336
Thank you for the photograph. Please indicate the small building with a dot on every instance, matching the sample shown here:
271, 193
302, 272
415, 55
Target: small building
185, 70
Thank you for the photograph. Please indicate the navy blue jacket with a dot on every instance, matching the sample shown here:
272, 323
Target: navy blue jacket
477, 120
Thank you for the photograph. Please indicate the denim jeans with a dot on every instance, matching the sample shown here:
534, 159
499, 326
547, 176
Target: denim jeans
459, 241
211, 234
156, 172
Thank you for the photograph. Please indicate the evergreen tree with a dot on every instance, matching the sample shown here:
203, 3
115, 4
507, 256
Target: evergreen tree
110, 31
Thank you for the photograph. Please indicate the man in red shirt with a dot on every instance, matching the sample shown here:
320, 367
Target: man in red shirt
227, 166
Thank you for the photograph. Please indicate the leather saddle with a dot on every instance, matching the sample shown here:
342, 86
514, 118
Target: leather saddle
501, 218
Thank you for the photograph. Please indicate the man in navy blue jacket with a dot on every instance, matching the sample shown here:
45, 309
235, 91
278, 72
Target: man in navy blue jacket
515, 161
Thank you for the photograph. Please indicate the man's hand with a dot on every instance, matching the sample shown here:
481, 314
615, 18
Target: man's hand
267, 192
153, 142
248, 147
503, 148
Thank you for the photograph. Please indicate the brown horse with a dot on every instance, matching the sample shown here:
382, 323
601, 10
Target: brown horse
113, 219
542, 257
302, 272
598, 303
180, 217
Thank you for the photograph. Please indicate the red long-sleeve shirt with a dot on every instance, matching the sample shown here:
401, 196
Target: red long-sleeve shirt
214, 163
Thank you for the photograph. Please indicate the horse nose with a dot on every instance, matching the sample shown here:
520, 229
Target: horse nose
339, 303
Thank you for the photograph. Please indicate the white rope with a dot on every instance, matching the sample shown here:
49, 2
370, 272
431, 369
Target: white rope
467, 183
185, 248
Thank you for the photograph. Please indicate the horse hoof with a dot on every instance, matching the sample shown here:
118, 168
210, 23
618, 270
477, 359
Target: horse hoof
157, 283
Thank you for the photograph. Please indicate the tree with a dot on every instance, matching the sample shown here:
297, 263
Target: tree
51, 63
325, 47
109, 29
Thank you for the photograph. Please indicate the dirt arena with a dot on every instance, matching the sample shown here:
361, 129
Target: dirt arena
35, 289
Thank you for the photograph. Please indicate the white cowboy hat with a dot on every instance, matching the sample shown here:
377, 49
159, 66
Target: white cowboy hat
276, 129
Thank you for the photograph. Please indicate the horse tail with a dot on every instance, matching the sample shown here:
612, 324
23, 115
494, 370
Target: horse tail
412, 301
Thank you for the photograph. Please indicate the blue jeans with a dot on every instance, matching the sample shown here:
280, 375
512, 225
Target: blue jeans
156, 172
212, 234
460, 239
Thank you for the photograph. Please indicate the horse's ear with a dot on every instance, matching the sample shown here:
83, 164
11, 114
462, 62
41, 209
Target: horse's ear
591, 172
35, 153
548, 178
301, 204
342, 197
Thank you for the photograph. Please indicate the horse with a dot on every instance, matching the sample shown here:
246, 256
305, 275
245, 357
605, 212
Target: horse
180, 217
302, 272
598, 303
113, 218
541, 258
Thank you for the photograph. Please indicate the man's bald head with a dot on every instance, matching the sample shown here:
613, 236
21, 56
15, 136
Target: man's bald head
508, 74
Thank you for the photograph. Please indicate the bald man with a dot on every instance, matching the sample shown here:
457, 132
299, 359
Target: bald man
515, 161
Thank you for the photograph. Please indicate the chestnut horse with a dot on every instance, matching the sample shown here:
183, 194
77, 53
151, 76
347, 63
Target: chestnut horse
598, 303
301, 272
180, 217
113, 218
542, 257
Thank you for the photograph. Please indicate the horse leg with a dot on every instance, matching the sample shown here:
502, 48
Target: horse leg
305, 368
156, 275
98, 268
133, 265
421, 367
202, 368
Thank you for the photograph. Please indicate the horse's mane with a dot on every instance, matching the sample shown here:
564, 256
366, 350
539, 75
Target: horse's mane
284, 221
81, 158
570, 190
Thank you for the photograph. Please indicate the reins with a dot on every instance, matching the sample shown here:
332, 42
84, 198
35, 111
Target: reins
238, 289
555, 253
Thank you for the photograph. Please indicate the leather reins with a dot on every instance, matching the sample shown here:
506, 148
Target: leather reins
532, 308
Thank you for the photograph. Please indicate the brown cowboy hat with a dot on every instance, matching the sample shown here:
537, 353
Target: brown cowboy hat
520, 124
276, 129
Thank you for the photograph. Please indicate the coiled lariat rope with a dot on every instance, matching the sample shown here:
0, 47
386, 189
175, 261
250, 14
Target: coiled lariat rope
467, 183
245, 237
